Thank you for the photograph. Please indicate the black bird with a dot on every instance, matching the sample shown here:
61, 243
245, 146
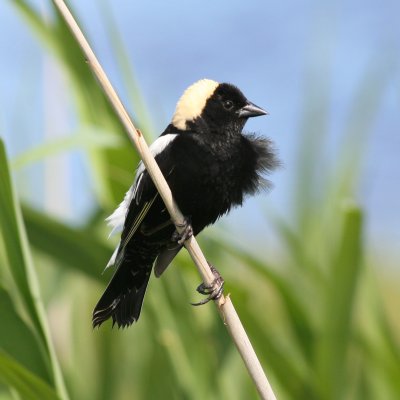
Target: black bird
210, 167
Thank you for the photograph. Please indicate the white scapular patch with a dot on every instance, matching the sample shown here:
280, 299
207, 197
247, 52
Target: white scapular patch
192, 102
117, 219
113, 258
155, 148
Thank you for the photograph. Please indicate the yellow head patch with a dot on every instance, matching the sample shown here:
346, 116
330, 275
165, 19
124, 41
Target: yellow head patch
192, 102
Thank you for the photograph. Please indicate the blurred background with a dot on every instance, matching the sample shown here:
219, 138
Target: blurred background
312, 266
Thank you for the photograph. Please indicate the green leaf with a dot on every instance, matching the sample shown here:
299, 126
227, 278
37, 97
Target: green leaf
77, 249
335, 337
87, 138
297, 313
21, 266
16, 244
311, 346
108, 167
28, 385
37, 23
18, 340
126, 69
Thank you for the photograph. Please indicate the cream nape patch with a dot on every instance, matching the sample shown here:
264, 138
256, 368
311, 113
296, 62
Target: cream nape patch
192, 102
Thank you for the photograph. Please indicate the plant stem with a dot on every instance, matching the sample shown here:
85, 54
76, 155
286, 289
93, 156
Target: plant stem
224, 304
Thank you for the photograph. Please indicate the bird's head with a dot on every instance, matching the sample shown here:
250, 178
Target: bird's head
219, 107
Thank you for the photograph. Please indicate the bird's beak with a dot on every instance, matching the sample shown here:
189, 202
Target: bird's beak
251, 110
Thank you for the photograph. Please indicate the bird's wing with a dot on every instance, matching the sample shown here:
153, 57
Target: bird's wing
140, 198
117, 219
128, 217
135, 218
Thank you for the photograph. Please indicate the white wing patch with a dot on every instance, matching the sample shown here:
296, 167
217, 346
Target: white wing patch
113, 258
192, 102
156, 148
117, 219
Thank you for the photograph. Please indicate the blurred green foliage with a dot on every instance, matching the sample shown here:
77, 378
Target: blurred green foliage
315, 315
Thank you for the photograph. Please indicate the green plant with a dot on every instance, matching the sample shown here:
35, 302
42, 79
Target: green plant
313, 310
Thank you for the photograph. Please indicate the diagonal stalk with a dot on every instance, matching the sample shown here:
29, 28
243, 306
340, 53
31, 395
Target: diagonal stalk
224, 304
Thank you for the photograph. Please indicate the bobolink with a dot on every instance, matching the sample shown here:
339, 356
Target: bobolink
210, 167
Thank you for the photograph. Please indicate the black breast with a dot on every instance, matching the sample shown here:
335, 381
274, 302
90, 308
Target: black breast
207, 181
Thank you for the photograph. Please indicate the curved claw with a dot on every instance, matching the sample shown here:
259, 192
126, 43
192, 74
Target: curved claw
186, 234
214, 291
214, 295
200, 303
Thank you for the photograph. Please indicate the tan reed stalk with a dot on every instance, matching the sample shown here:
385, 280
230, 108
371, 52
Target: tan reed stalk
224, 304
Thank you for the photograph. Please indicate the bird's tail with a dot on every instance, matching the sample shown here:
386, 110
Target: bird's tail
123, 298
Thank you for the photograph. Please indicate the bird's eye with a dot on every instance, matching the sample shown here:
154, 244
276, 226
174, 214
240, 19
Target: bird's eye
228, 104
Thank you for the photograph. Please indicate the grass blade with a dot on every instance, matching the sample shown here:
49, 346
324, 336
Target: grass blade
18, 340
28, 385
340, 297
75, 248
87, 138
18, 254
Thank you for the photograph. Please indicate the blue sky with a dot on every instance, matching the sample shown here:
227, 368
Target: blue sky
278, 53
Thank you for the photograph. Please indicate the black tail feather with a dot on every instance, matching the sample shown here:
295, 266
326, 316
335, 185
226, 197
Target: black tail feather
123, 298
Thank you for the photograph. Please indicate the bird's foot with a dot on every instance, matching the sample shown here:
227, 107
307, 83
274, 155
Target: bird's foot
214, 291
187, 232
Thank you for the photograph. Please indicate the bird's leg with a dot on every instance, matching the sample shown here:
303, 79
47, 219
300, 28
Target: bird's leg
214, 291
186, 234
